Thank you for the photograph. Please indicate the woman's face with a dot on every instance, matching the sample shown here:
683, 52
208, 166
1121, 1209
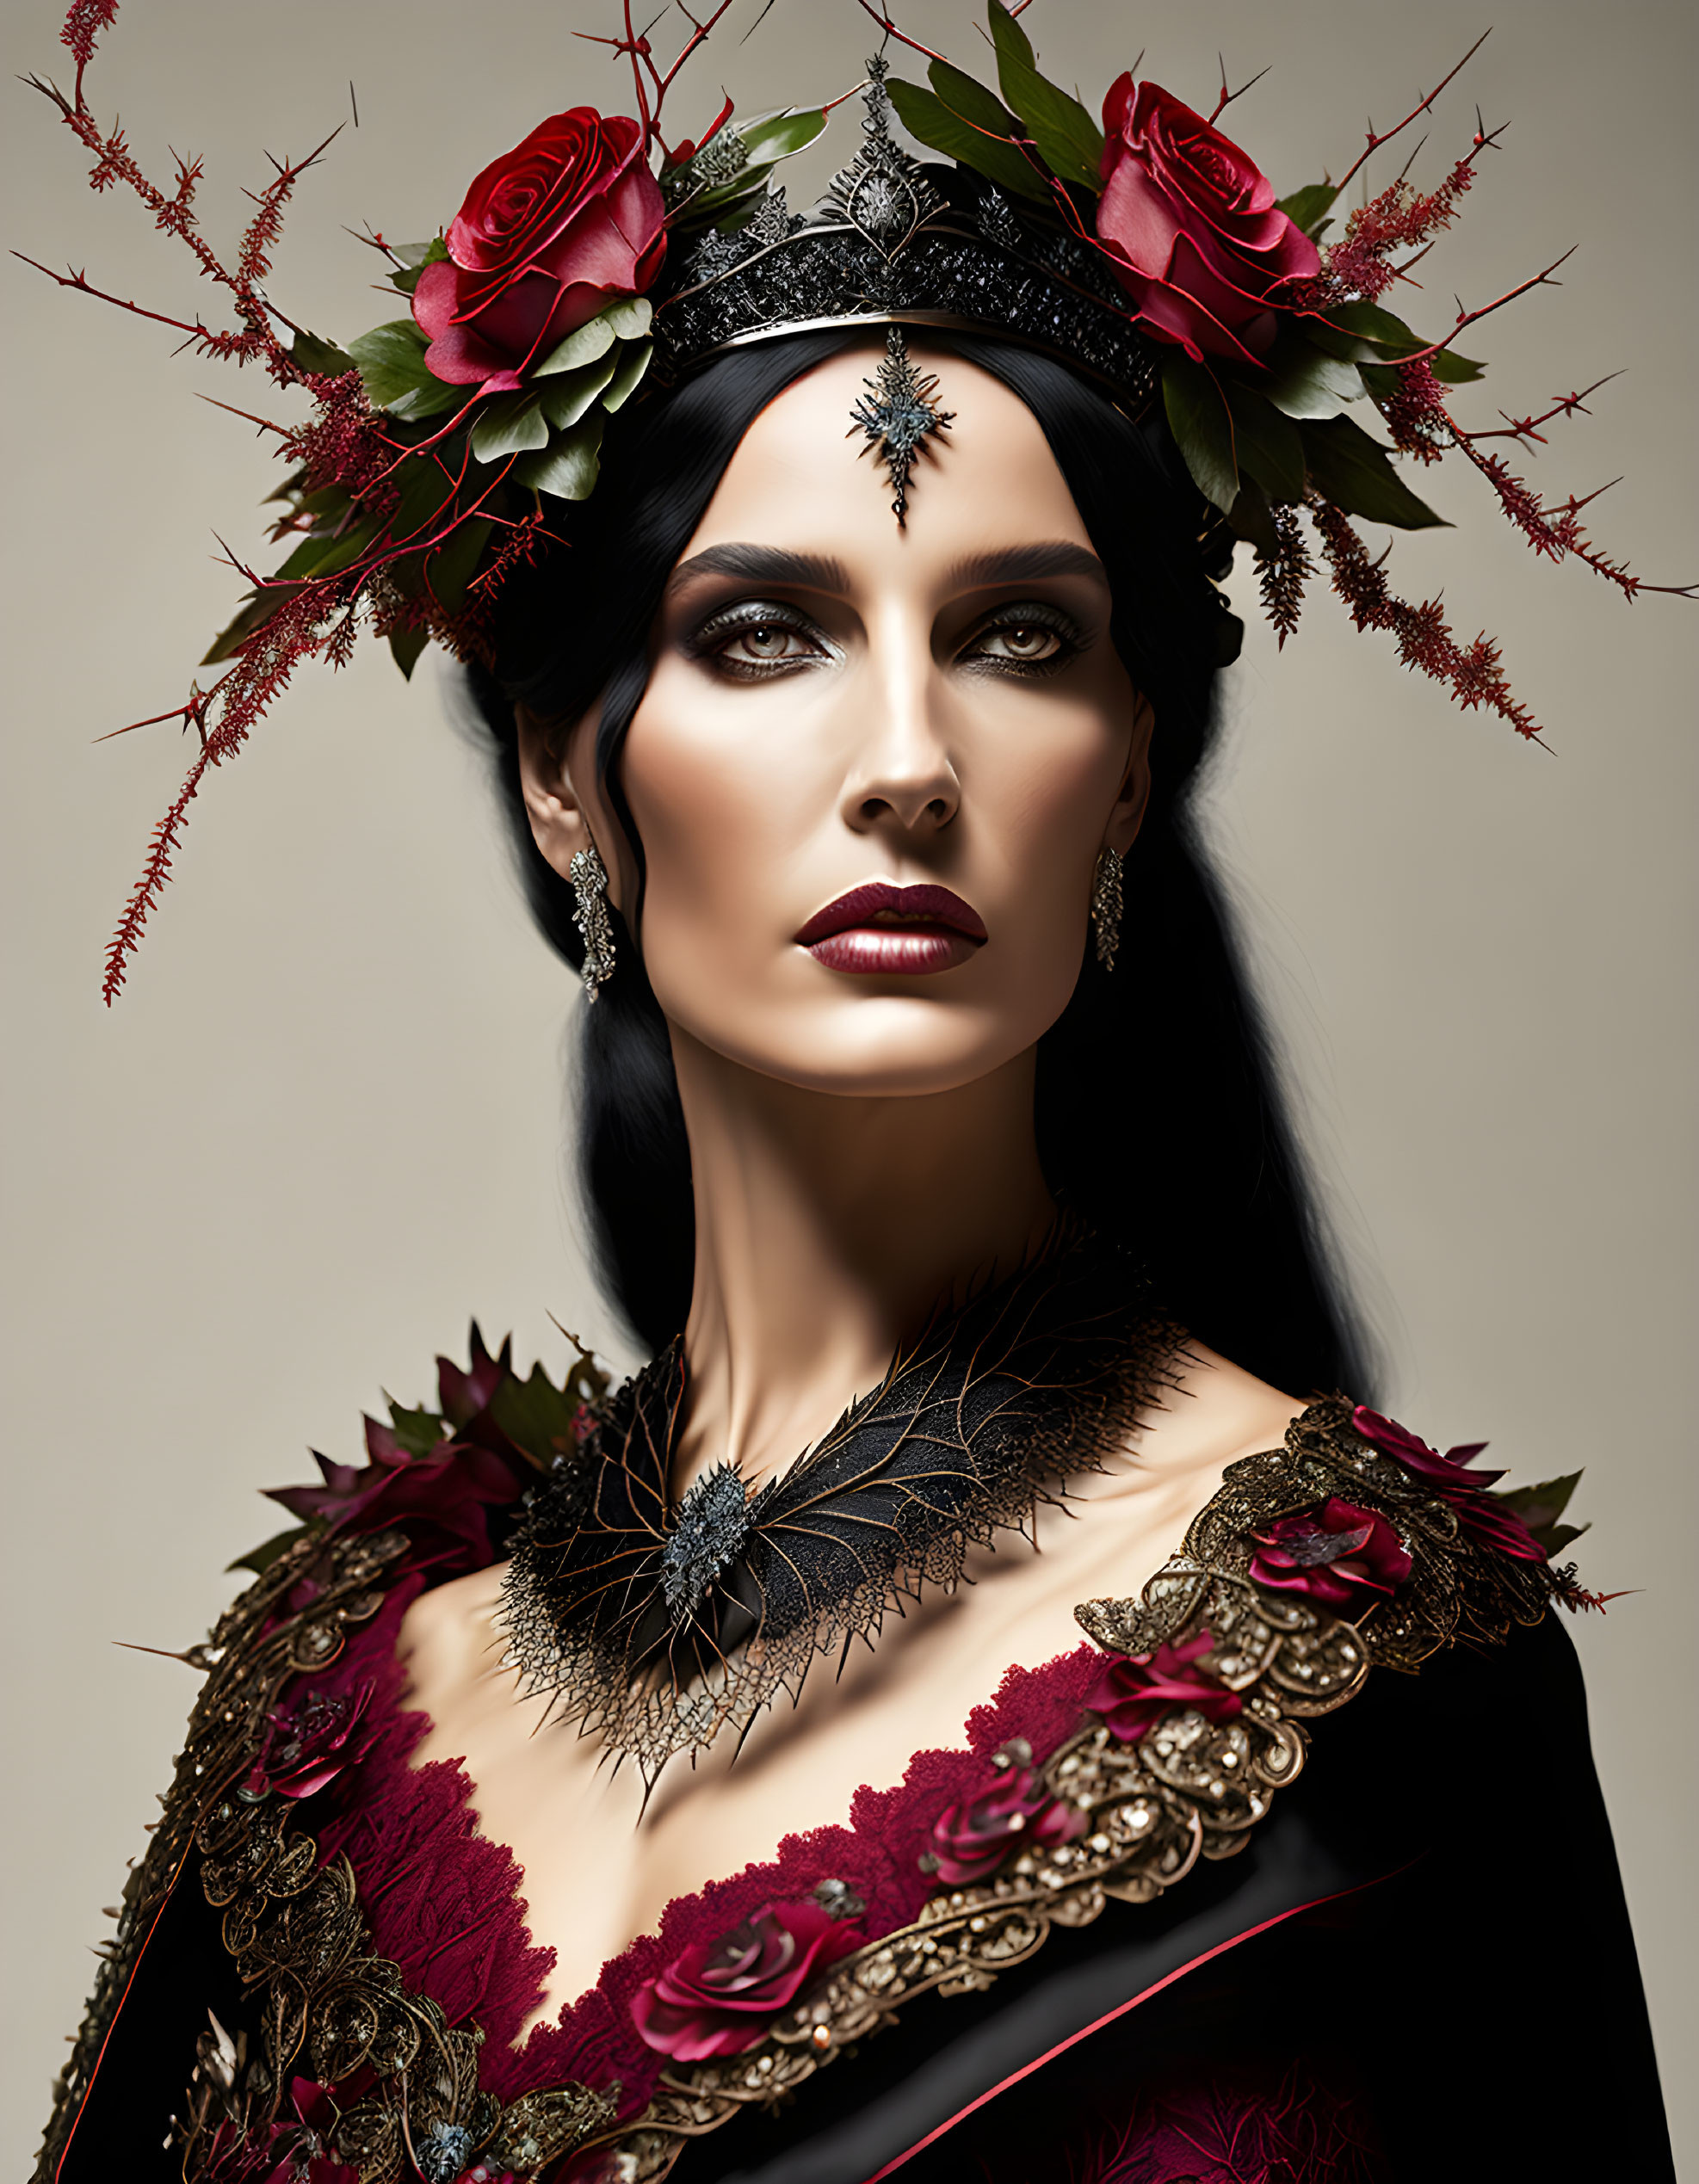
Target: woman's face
840, 709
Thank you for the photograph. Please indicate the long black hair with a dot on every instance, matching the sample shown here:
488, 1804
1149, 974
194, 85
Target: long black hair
1159, 1117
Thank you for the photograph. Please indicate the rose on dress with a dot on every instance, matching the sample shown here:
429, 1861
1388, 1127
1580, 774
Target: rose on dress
1135, 1690
307, 1745
1189, 224
972, 1837
718, 1998
549, 235
1343, 1558
1479, 1514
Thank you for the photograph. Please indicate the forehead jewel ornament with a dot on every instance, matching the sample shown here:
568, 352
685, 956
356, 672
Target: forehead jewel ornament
595, 266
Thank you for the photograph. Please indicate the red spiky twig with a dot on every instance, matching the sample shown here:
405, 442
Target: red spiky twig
1423, 638
652, 83
173, 212
891, 29
1554, 529
1226, 97
1424, 105
1523, 429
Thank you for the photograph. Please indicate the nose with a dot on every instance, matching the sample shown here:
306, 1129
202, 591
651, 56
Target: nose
902, 775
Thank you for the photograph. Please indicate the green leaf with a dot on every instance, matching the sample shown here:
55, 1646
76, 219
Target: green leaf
772, 137
455, 564
1068, 140
512, 424
1542, 1505
1008, 37
1353, 471
568, 467
322, 554
583, 346
1265, 443
255, 614
313, 354
1361, 332
965, 95
390, 360
537, 1418
564, 399
1306, 208
415, 256
628, 377
1304, 383
1250, 519
1198, 418
416, 1431
260, 1559
1455, 370
930, 122
407, 645
426, 487
433, 399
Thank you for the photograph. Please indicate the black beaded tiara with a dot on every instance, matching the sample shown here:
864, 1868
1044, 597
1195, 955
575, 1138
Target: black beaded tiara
897, 243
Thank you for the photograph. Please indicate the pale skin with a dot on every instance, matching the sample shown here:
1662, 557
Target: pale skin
940, 705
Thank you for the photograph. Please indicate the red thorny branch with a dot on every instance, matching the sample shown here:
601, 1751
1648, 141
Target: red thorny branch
652, 83
1424, 105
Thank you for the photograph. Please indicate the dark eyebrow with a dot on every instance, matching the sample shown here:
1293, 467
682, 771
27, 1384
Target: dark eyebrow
1027, 564
763, 565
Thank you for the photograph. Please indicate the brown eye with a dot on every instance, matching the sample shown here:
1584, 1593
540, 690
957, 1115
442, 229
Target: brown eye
765, 641
1025, 642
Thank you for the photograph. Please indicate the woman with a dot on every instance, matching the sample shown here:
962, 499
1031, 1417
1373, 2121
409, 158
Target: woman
868, 838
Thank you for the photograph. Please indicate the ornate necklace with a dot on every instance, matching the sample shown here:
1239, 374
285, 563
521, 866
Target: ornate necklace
655, 1624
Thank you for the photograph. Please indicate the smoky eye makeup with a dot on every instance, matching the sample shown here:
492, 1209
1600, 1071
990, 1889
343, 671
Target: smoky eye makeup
753, 639
1024, 636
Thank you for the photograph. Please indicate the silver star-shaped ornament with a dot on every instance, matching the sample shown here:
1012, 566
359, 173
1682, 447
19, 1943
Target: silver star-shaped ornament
897, 413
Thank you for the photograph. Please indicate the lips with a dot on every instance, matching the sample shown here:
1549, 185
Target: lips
878, 930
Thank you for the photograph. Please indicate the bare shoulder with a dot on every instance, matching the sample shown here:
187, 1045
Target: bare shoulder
1214, 1413
446, 1636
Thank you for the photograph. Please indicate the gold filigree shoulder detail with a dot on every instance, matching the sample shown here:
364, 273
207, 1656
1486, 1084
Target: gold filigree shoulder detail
1191, 1782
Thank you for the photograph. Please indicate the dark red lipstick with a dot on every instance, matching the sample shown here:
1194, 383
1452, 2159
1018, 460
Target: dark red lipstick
878, 930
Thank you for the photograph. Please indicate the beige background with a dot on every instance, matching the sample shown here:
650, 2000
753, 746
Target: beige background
323, 1127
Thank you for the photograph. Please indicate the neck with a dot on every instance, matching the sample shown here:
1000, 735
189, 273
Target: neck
828, 1229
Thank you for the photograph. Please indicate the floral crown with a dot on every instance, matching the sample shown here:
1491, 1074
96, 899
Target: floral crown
595, 265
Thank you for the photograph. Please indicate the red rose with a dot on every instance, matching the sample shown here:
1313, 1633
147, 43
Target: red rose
309, 1743
1343, 1558
719, 1998
1191, 228
1136, 1690
1487, 1520
547, 237
971, 1837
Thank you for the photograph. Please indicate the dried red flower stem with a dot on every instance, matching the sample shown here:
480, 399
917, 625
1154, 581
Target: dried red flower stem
1281, 577
1423, 637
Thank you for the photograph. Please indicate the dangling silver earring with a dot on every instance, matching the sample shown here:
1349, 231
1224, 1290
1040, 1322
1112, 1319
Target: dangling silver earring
589, 876
1106, 906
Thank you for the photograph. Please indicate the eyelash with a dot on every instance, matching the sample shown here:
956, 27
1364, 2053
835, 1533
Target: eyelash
714, 639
